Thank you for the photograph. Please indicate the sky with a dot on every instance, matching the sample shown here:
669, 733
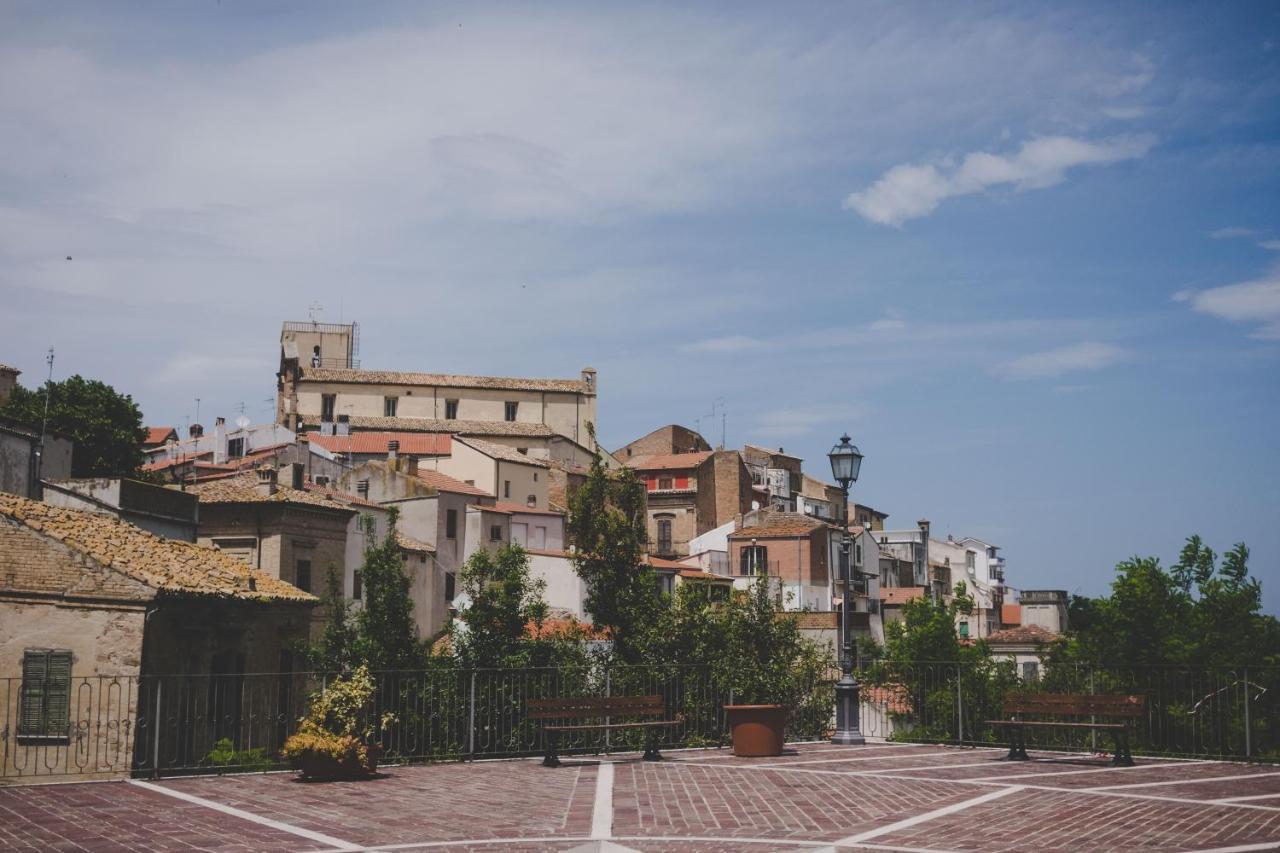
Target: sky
1026, 254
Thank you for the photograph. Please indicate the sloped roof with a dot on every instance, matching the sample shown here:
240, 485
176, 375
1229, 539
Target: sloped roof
900, 594
444, 483
159, 434
521, 509
1024, 634
514, 429
779, 524
242, 488
668, 461
411, 443
167, 565
397, 377
408, 543
501, 451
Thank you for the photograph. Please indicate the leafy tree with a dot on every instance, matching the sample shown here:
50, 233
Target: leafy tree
927, 631
506, 621
607, 528
387, 637
336, 651
105, 425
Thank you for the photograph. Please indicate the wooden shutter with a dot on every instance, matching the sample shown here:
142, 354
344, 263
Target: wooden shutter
34, 667
57, 695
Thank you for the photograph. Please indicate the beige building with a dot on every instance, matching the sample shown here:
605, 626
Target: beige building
93, 611
321, 386
503, 472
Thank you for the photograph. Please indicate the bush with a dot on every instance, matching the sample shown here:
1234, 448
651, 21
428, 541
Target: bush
336, 738
225, 755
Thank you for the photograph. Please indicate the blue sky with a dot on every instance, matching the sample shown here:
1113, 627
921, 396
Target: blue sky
1028, 255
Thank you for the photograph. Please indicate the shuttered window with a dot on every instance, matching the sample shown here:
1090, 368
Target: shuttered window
46, 694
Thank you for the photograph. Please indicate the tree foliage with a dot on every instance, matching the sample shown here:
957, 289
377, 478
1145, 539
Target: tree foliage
387, 636
927, 631
105, 425
506, 620
607, 528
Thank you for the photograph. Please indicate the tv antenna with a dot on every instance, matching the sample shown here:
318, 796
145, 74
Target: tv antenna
313, 309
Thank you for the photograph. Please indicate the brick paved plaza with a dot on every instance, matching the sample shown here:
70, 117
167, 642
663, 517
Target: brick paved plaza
816, 797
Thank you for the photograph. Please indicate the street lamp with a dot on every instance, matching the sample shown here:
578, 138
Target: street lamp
846, 460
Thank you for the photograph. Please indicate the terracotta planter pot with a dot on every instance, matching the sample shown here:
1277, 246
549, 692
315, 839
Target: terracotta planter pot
757, 729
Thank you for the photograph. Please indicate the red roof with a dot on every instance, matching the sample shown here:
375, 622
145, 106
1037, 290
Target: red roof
1027, 634
445, 483
162, 464
665, 461
668, 565
159, 435
411, 443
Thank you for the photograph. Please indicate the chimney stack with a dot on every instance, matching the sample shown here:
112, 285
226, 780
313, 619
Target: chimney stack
195, 431
393, 454
411, 466
266, 485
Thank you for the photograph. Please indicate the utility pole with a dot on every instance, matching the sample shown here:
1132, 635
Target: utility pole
36, 489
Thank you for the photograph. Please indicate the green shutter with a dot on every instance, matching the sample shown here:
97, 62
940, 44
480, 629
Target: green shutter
57, 695
34, 667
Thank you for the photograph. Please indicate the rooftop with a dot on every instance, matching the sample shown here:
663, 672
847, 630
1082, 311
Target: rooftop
501, 451
243, 488
665, 461
444, 380
519, 509
166, 565
159, 434
900, 594
444, 483
408, 543
1022, 635
411, 443
778, 524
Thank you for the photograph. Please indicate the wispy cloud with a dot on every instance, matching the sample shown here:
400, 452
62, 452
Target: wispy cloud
1086, 356
1271, 245
1231, 232
909, 191
1255, 303
729, 343
800, 421
1124, 113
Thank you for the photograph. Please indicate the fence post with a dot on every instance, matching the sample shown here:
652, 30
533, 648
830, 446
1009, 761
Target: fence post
959, 709
471, 719
608, 692
155, 735
1093, 733
1248, 726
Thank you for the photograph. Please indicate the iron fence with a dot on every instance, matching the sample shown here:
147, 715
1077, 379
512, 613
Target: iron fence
1215, 712
100, 726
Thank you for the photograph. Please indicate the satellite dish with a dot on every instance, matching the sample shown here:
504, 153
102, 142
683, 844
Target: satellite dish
242, 421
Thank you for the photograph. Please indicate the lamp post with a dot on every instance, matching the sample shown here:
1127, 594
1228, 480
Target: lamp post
846, 460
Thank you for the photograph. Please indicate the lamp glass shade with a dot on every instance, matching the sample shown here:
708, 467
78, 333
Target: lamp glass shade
846, 461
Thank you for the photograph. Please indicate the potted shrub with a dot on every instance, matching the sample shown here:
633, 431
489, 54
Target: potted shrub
335, 740
763, 646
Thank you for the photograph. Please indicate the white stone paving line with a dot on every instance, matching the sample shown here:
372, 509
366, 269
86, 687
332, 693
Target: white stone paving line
1184, 781
775, 843
907, 823
319, 837
602, 810
1275, 796
832, 748
1243, 848
873, 757
1092, 770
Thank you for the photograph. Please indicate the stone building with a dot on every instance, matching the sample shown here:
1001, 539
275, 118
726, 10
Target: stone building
95, 612
776, 475
793, 548
321, 386
23, 464
8, 381
164, 512
670, 439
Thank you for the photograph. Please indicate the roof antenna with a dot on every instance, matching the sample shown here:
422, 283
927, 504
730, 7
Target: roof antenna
37, 489
313, 309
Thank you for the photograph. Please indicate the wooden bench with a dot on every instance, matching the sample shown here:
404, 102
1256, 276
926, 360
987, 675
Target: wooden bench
1073, 706
604, 709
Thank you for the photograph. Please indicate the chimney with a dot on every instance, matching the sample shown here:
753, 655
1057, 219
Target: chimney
589, 379
219, 441
393, 454
195, 431
411, 466
298, 475
266, 485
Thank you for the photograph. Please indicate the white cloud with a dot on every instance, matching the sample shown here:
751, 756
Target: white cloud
1124, 113
1254, 302
1089, 355
1128, 84
1232, 232
910, 191
1271, 245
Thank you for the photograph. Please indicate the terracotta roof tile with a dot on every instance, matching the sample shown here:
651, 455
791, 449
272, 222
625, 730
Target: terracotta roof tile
444, 380
168, 565
668, 461
515, 429
777, 524
411, 443
243, 488
1010, 614
501, 451
444, 483
159, 435
408, 543
517, 509
1022, 634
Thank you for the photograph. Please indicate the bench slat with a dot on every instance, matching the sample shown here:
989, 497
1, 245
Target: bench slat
596, 706
1052, 724
1075, 704
613, 726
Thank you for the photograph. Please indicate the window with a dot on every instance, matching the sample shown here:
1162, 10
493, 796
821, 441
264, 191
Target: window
450, 586
666, 584
235, 448
328, 402
451, 410
531, 501
1030, 671
389, 407
46, 695
964, 628
357, 584
969, 561
495, 533
535, 476
664, 482
664, 536
754, 560
303, 576
506, 488
451, 524
511, 410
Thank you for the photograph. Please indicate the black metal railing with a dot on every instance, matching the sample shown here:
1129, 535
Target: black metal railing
1218, 712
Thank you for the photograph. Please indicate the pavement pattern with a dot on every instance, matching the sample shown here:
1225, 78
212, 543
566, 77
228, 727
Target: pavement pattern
815, 797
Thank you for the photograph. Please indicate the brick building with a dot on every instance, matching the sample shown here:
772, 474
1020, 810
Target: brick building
793, 548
